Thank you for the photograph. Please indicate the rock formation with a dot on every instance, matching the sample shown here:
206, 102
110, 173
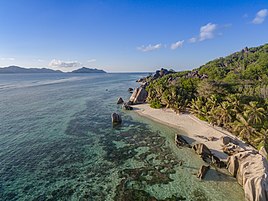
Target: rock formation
251, 171
116, 118
180, 141
120, 100
139, 96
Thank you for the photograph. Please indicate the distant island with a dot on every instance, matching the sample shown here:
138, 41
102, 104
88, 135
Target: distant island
88, 70
17, 69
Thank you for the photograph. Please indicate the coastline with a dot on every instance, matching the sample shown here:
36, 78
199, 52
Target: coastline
194, 129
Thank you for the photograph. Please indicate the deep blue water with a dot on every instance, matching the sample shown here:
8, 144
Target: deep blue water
57, 143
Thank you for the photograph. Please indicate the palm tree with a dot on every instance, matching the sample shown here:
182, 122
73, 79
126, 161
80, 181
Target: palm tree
243, 127
262, 138
223, 113
254, 113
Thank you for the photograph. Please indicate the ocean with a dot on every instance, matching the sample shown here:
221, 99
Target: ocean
57, 142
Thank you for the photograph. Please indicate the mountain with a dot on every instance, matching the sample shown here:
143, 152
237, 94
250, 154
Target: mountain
17, 69
88, 70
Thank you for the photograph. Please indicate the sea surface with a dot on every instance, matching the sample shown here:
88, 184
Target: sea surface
57, 143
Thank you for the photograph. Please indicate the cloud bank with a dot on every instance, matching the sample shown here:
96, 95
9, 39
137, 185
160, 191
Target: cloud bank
260, 16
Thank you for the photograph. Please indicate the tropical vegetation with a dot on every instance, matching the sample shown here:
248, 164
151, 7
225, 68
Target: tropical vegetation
230, 92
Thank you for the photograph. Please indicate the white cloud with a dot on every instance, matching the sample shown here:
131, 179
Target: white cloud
91, 60
260, 16
207, 31
7, 58
192, 40
149, 47
64, 64
177, 44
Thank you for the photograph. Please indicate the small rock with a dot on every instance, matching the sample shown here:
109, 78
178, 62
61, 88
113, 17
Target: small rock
130, 89
125, 106
202, 171
116, 118
120, 100
226, 140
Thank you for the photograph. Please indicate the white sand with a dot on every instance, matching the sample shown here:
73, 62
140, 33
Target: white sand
191, 125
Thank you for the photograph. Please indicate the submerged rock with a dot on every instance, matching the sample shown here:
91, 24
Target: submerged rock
202, 171
116, 118
120, 100
139, 96
251, 171
130, 90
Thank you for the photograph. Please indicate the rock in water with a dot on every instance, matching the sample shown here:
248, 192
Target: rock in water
126, 106
139, 96
120, 100
130, 90
251, 171
116, 118
180, 141
202, 171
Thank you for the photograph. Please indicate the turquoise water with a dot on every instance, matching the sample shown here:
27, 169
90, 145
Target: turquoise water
57, 143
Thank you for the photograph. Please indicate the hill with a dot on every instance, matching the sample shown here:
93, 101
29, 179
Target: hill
17, 69
88, 70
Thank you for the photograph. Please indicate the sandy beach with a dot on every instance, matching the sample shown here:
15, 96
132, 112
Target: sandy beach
195, 130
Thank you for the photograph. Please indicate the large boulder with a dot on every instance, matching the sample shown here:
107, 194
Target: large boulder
251, 171
138, 96
202, 171
116, 118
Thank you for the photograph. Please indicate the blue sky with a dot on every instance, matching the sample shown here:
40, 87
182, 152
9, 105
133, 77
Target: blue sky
127, 35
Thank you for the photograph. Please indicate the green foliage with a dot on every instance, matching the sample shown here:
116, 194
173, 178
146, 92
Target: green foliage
155, 104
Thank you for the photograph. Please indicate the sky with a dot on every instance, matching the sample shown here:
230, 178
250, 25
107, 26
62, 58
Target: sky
127, 35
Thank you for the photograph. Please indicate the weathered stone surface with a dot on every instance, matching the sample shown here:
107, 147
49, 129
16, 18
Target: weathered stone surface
120, 100
116, 118
138, 96
263, 152
217, 162
180, 141
232, 149
202, 171
126, 106
251, 170
202, 149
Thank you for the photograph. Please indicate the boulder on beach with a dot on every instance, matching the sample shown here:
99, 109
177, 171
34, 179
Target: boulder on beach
202, 150
251, 171
202, 171
139, 96
180, 141
120, 100
116, 118
126, 106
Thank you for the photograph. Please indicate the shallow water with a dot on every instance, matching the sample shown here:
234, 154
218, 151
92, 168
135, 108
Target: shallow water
57, 143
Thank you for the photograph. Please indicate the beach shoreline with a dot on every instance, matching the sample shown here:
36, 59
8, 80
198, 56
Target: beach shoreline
192, 128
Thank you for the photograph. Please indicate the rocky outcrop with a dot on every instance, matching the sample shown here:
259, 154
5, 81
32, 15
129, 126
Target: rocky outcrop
231, 149
139, 96
251, 171
126, 106
180, 141
120, 100
116, 118
202, 171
